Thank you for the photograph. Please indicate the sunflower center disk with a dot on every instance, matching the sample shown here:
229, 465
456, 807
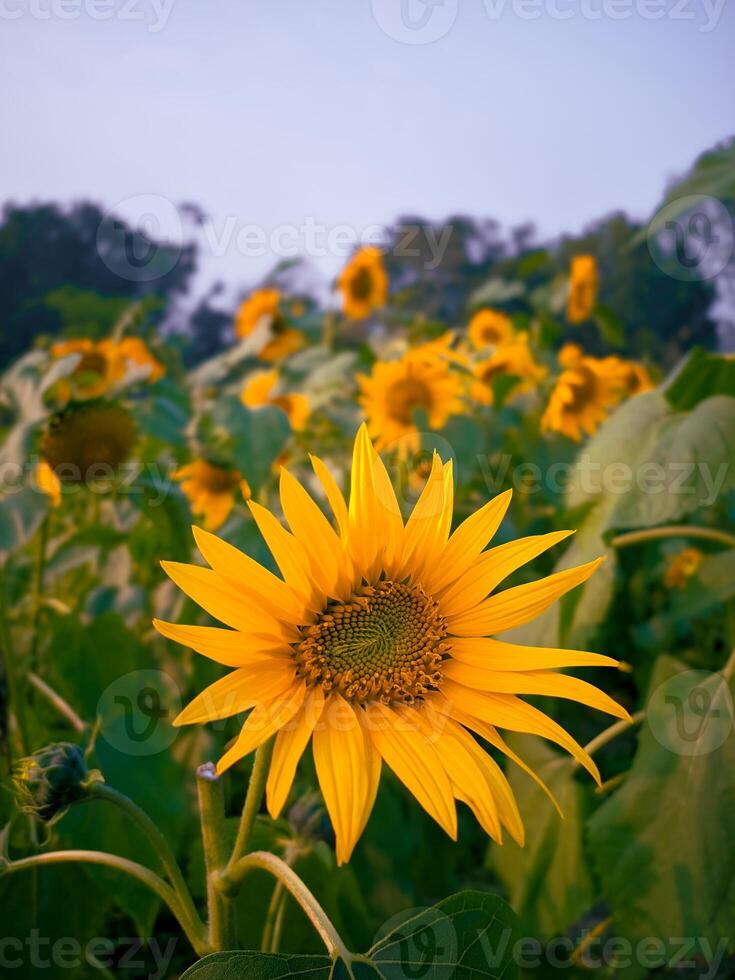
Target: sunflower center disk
386, 643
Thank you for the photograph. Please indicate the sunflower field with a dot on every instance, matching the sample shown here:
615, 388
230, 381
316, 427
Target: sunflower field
394, 638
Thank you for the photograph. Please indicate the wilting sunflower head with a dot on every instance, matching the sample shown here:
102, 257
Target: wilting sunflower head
211, 490
363, 283
423, 379
584, 393
87, 441
490, 328
513, 360
376, 645
261, 389
584, 281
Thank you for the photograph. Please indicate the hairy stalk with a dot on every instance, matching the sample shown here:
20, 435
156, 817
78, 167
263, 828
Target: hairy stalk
210, 792
253, 800
231, 880
674, 531
62, 706
612, 732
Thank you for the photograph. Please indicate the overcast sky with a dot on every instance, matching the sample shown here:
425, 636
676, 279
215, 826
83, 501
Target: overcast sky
280, 116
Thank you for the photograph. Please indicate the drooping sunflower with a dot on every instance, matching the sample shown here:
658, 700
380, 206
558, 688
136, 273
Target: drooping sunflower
376, 645
104, 363
259, 391
634, 378
490, 328
584, 393
584, 282
211, 490
514, 359
422, 379
363, 283
262, 309
86, 441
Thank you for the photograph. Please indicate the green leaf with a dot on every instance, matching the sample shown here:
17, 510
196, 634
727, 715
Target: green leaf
663, 844
259, 966
256, 436
21, 513
702, 375
472, 933
548, 881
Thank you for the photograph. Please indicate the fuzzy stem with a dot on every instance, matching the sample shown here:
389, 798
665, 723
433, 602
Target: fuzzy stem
253, 799
210, 792
674, 531
62, 706
613, 731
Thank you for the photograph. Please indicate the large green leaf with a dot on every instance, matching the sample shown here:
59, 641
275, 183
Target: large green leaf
249, 965
663, 844
256, 437
548, 881
701, 375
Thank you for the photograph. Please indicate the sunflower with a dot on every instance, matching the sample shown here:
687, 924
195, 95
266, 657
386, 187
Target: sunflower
584, 393
211, 490
584, 281
421, 379
490, 328
514, 359
363, 283
104, 363
259, 391
376, 645
633, 378
263, 309
86, 441
681, 567
48, 482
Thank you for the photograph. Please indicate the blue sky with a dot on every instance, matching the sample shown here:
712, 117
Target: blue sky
281, 113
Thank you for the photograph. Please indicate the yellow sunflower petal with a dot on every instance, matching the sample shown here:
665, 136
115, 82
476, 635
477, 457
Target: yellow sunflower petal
346, 769
468, 541
427, 528
492, 567
518, 605
290, 743
499, 655
266, 718
509, 711
365, 525
415, 761
238, 691
228, 647
534, 682
289, 555
220, 600
334, 496
243, 573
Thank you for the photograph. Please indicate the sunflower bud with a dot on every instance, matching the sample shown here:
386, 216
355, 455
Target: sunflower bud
53, 779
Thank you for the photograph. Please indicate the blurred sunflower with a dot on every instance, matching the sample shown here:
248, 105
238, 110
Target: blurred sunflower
633, 378
490, 328
681, 567
104, 363
375, 646
263, 309
48, 482
395, 390
259, 391
86, 441
363, 283
514, 359
211, 490
584, 281
584, 393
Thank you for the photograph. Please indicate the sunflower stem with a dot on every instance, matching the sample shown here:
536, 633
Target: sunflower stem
195, 931
613, 731
62, 706
38, 589
232, 879
16, 694
159, 843
674, 531
210, 792
253, 800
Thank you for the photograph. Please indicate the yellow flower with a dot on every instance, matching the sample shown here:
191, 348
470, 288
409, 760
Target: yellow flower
583, 395
376, 646
490, 328
633, 378
103, 363
584, 282
514, 359
259, 391
87, 441
263, 308
682, 566
211, 490
48, 482
363, 283
421, 379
